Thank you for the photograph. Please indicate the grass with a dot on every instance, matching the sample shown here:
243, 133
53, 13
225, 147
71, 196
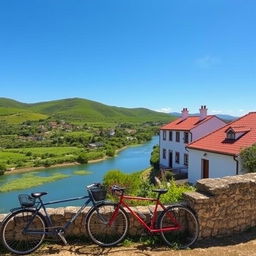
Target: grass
82, 172
57, 151
30, 180
27, 157
17, 116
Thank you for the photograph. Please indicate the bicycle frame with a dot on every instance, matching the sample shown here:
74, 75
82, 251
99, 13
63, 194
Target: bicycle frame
41, 205
151, 228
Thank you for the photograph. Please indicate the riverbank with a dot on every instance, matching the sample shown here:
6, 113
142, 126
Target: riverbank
32, 169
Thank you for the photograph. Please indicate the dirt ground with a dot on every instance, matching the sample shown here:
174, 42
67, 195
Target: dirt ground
243, 244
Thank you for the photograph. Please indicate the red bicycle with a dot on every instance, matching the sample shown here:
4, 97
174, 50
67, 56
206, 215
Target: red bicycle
177, 224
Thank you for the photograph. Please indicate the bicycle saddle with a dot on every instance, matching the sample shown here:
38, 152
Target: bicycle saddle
38, 194
160, 190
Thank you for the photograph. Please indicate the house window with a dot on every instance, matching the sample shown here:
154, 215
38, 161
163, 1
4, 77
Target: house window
177, 157
164, 135
186, 159
164, 153
177, 136
185, 137
231, 135
170, 135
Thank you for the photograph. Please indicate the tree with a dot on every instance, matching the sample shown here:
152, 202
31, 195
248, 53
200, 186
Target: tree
248, 156
2, 168
82, 158
155, 157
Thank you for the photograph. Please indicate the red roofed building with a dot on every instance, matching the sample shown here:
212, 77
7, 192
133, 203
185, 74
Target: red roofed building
217, 154
175, 136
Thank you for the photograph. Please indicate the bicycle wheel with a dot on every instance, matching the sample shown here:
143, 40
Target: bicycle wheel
106, 225
185, 224
18, 231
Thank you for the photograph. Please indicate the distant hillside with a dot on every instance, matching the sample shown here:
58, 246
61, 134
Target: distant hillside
222, 116
77, 110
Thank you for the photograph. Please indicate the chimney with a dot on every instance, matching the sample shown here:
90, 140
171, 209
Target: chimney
184, 113
203, 112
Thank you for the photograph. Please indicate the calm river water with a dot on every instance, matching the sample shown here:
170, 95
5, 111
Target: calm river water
130, 160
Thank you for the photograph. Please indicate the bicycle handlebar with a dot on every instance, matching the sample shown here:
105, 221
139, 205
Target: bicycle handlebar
93, 185
115, 188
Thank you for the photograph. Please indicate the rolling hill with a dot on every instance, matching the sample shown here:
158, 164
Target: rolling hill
76, 110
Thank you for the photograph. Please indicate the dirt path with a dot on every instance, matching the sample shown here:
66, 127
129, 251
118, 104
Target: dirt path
243, 244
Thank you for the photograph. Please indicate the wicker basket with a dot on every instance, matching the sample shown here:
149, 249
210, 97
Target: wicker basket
26, 200
99, 193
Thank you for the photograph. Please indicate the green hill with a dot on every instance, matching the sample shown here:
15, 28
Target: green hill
78, 110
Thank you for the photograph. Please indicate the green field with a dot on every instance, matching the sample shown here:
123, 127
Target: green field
17, 116
35, 157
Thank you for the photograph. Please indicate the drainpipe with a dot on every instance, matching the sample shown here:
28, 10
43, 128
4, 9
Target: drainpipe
237, 164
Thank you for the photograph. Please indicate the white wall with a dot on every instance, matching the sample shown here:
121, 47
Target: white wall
206, 128
219, 165
174, 147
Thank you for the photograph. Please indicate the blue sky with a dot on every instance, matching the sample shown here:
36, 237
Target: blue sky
161, 54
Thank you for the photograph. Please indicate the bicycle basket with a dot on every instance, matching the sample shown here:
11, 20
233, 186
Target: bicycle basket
98, 193
26, 200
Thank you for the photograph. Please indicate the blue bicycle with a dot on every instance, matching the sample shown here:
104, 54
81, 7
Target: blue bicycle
25, 228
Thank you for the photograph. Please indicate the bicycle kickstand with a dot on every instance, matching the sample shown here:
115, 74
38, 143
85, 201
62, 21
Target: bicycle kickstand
61, 235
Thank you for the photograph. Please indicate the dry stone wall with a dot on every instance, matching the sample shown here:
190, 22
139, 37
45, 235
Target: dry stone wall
223, 206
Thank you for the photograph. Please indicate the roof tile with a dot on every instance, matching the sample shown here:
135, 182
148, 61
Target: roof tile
217, 142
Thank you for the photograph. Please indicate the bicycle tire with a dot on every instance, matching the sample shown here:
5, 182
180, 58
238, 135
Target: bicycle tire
13, 236
187, 234
98, 228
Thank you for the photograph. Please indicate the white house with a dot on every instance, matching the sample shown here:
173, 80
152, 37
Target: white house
175, 136
217, 155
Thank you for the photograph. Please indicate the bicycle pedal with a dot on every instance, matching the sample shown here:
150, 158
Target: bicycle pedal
61, 235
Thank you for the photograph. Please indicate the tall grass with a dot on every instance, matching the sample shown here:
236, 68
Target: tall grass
30, 180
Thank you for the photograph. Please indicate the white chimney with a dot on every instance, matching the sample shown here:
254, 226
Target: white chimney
184, 113
203, 112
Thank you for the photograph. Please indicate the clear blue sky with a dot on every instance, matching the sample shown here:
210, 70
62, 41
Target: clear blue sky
161, 54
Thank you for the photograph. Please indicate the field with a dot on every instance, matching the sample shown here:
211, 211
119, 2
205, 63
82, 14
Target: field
34, 157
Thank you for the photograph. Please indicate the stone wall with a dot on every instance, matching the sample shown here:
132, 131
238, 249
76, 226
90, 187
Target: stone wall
225, 205
61, 215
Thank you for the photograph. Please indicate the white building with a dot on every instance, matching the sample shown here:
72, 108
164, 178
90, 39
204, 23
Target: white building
175, 136
217, 155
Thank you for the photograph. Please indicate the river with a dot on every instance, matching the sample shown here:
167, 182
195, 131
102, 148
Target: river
131, 159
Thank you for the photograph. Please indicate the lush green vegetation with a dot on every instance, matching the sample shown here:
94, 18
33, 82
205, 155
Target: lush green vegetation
71, 130
79, 110
138, 184
155, 157
30, 180
248, 156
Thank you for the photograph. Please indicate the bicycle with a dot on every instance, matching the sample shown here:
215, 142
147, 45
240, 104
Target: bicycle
177, 224
25, 228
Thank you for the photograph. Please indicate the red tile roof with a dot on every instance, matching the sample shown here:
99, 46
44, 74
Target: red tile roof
187, 124
238, 129
217, 142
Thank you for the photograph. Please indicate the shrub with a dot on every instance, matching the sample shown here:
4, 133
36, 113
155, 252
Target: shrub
110, 152
248, 156
155, 156
82, 158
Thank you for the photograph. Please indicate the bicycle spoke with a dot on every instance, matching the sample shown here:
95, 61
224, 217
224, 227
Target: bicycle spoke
110, 231
14, 234
185, 224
